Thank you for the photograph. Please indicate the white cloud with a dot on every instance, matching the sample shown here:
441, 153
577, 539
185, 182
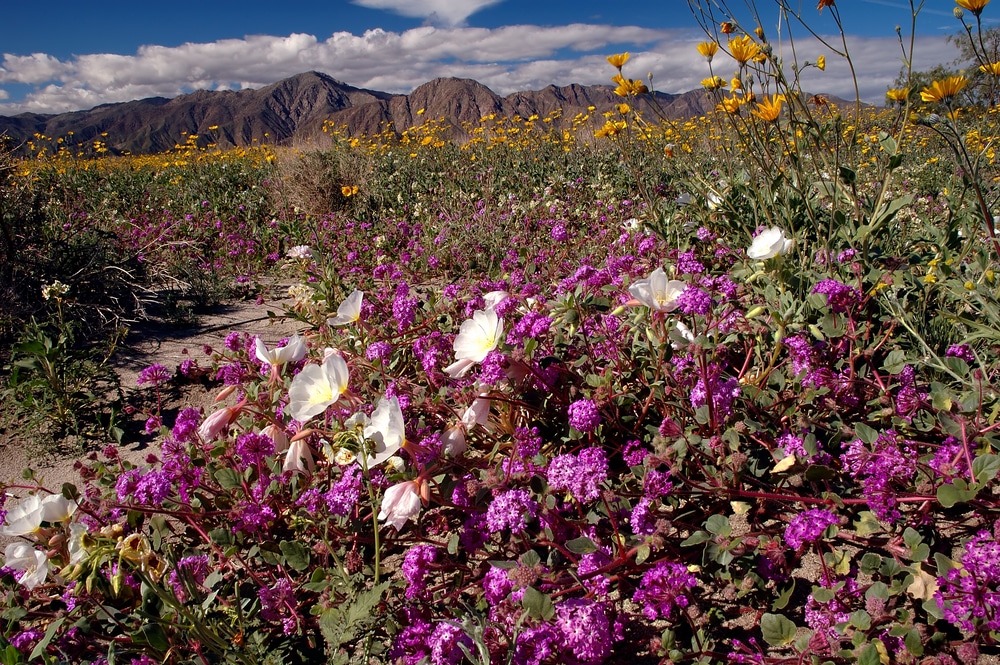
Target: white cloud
506, 59
443, 12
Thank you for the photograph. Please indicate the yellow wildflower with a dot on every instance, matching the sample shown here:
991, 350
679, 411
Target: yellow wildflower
943, 90
618, 59
727, 28
736, 83
714, 82
611, 129
730, 105
897, 95
743, 49
991, 68
770, 108
708, 49
821, 63
974, 6
624, 109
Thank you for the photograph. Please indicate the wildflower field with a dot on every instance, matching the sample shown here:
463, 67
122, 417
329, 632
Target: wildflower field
622, 389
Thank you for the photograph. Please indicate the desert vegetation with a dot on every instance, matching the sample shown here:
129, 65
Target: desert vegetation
722, 390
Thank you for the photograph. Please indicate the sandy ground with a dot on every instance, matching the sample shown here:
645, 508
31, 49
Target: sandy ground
148, 343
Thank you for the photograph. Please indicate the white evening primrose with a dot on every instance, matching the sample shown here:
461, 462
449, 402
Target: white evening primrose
349, 311
657, 292
32, 564
476, 338
400, 503
317, 387
385, 430
769, 243
293, 351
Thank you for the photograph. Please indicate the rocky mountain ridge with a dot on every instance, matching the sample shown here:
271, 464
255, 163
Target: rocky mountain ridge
293, 111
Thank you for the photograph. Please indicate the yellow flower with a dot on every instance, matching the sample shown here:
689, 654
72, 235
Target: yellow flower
769, 109
736, 83
974, 6
627, 87
708, 49
743, 49
348, 190
624, 109
821, 63
611, 129
727, 28
897, 95
618, 59
730, 105
759, 31
714, 82
944, 89
991, 68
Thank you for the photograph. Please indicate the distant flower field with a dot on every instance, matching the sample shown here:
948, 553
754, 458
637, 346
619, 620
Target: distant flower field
723, 390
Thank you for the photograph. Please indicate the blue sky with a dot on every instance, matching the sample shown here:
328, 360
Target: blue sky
65, 55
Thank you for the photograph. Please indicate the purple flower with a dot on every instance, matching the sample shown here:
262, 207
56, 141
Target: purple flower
155, 374
510, 510
839, 297
189, 574
559, 233
444, 643
963, 351
416, 563
585, 629
694, 300
583, 415
580, 475
344, 494
908, 398
968, 595
724, 391
252, 449
664, 588
808, 527
378, 351
889, 463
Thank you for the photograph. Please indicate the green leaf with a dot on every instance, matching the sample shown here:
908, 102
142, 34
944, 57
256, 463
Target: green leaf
530, 559
718, 525
581, 545
985, 468
956, 492
865, 433
339, 624
894, 362
642, 553
50, 632
786, 595
537, 604
696, 538
296, 554
777, 630
867, 524
869, 655
228, 478
861, 619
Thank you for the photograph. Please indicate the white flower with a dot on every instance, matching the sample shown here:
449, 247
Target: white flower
299, 458
494, 298
299, 252
317, 387
476, 338
478, 412
349, 311
293, 351
453, 441
77, 535
680, 336
385, 430
769, 243
400, 503
33, 563
57, 508
657, 292
278, 436
27, 516
24, 518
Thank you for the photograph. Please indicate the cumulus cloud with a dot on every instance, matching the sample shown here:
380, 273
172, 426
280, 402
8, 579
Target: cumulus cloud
443, 12
507, 59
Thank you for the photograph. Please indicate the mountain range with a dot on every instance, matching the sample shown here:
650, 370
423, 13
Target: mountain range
293, 111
